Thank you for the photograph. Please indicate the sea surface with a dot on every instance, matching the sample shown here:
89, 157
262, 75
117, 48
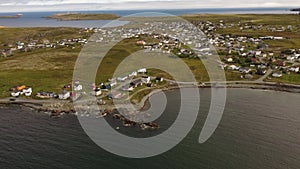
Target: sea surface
259, 130
36, 19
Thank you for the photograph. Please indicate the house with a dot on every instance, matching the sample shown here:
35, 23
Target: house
233, 67
146, 79
280, 63
248, 76
143, 70
294, 69
77, 87
245, 70
97, 92
15, 93
20, 88
128, 88
159, 79
258, 52
141, 42
290, 58
27, 91
64, 95
133, 74
277, 74
149, 84
113, 83
229, 59
137, 83
105, 87
46, 95
122, 79
261, 71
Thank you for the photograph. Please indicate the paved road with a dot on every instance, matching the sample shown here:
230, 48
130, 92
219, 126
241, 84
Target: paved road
264, 76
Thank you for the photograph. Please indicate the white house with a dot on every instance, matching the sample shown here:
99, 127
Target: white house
233, 67
15, 94
128, 88
97, 92
245, 70
122, 79
277, 74
258, 53
64, 95
143, 70
229, 59
159, 79
146, 79
294, 69
133, 74
77, 87
27, 91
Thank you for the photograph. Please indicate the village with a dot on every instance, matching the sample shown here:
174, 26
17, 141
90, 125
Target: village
115, 88
31, 44
247, 56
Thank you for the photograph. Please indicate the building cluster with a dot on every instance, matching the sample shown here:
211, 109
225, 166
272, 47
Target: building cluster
75, 89
17, 91
10, 49
249, 54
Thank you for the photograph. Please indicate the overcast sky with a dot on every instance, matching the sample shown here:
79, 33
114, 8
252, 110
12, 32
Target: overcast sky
69, 5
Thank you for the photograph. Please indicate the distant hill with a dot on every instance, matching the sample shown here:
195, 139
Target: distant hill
295, 9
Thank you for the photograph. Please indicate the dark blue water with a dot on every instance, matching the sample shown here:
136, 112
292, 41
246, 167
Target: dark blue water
259, 130
35, 19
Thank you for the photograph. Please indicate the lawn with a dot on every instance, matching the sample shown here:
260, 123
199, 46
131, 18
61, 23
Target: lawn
293, 78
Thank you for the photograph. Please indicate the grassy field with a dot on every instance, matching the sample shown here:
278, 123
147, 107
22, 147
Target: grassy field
264, 19
293, 78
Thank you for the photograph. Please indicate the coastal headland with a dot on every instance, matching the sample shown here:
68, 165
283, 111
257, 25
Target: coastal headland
82, 16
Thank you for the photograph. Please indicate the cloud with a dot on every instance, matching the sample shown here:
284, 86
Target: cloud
58, 2
74, 5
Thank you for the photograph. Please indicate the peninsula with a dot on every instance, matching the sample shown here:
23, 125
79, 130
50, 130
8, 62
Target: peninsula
82, 16
10, 16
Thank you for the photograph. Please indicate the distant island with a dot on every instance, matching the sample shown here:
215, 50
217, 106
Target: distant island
295, 10
11, 16
82, 16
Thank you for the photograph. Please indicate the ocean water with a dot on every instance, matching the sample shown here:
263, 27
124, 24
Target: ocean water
35, 19
259, 129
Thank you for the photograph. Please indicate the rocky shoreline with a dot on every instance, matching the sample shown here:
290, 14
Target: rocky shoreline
67, 106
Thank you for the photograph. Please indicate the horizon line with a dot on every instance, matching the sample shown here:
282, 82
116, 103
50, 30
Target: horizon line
132, 9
